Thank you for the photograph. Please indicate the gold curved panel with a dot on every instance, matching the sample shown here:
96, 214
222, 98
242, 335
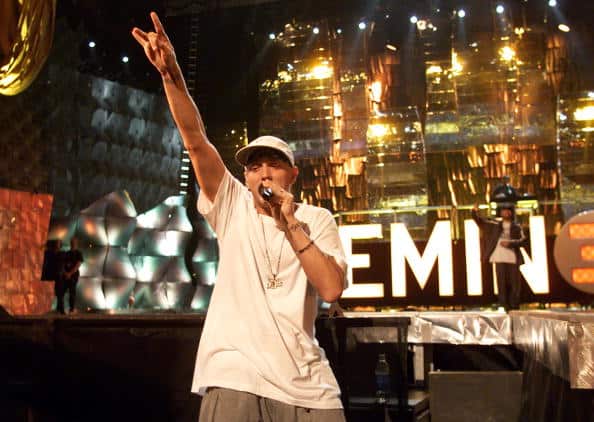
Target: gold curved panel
28, 47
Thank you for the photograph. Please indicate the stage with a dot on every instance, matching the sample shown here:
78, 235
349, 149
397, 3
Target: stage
138, 366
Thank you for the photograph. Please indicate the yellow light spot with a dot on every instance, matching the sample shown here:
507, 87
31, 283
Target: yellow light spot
581, 231
583, 275
587, 252
584, 113
507, 53
378, 130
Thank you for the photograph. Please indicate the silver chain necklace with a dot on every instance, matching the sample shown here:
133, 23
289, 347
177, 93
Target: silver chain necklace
273, 281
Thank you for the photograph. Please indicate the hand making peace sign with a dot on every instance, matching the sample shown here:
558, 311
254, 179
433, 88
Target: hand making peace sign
157, 47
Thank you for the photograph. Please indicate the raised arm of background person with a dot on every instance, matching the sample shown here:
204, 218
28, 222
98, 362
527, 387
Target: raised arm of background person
208, 165
480, 221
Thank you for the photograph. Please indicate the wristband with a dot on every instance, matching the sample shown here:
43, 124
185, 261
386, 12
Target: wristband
306, 247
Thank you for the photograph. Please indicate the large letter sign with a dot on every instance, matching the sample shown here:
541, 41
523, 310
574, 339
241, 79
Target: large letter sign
439, 247
347, 234
536, 270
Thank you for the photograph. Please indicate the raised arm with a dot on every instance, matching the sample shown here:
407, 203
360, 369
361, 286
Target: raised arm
480, 221
208, 165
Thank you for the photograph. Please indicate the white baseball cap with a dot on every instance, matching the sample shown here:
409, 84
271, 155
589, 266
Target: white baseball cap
264, 142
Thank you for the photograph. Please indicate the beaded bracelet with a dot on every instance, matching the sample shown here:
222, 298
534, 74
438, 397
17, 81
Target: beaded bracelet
295, 226
306, 247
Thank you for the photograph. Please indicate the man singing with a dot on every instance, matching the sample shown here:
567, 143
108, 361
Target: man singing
258, 358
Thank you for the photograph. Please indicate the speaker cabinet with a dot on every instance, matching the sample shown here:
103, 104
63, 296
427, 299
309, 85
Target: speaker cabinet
475, 396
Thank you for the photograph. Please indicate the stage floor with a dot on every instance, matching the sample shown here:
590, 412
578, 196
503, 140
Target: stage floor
138, 366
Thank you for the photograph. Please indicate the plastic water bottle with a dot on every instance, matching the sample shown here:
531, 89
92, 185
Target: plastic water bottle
382, 379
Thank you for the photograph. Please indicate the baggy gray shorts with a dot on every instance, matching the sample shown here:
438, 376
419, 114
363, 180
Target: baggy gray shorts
225, 405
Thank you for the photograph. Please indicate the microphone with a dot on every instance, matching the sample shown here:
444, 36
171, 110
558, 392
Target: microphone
266, 193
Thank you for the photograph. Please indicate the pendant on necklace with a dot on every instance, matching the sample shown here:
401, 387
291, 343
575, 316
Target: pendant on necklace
274, 283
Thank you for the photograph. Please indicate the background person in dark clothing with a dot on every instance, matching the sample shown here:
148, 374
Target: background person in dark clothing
500, 245
504, 193
52, 260
71, 261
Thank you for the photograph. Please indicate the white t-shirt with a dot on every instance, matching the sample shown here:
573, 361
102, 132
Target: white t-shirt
256, 339
502, 254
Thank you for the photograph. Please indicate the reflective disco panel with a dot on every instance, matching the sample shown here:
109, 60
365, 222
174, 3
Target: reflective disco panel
206, 272
91, 230
120, 205
119, 230
175, 201
158, 295
201, 298
89, 293
176, 271
94, 261
117, 291
179, 295
117, 264
138, 241
206, 250
171, 243
179, 220
155, 218
150, 268
115, 204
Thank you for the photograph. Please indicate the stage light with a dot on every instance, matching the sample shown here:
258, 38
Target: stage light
322, 71
92, 44
377, 130
391, 47
421, 24
507, 53
500, 9
362, 25
590, 94
552, 3
413, 19
457, 66
271, 36
434, 69
376, 91
461, 13
564, 28
584, 113
339, 31
316, 30
125, 59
